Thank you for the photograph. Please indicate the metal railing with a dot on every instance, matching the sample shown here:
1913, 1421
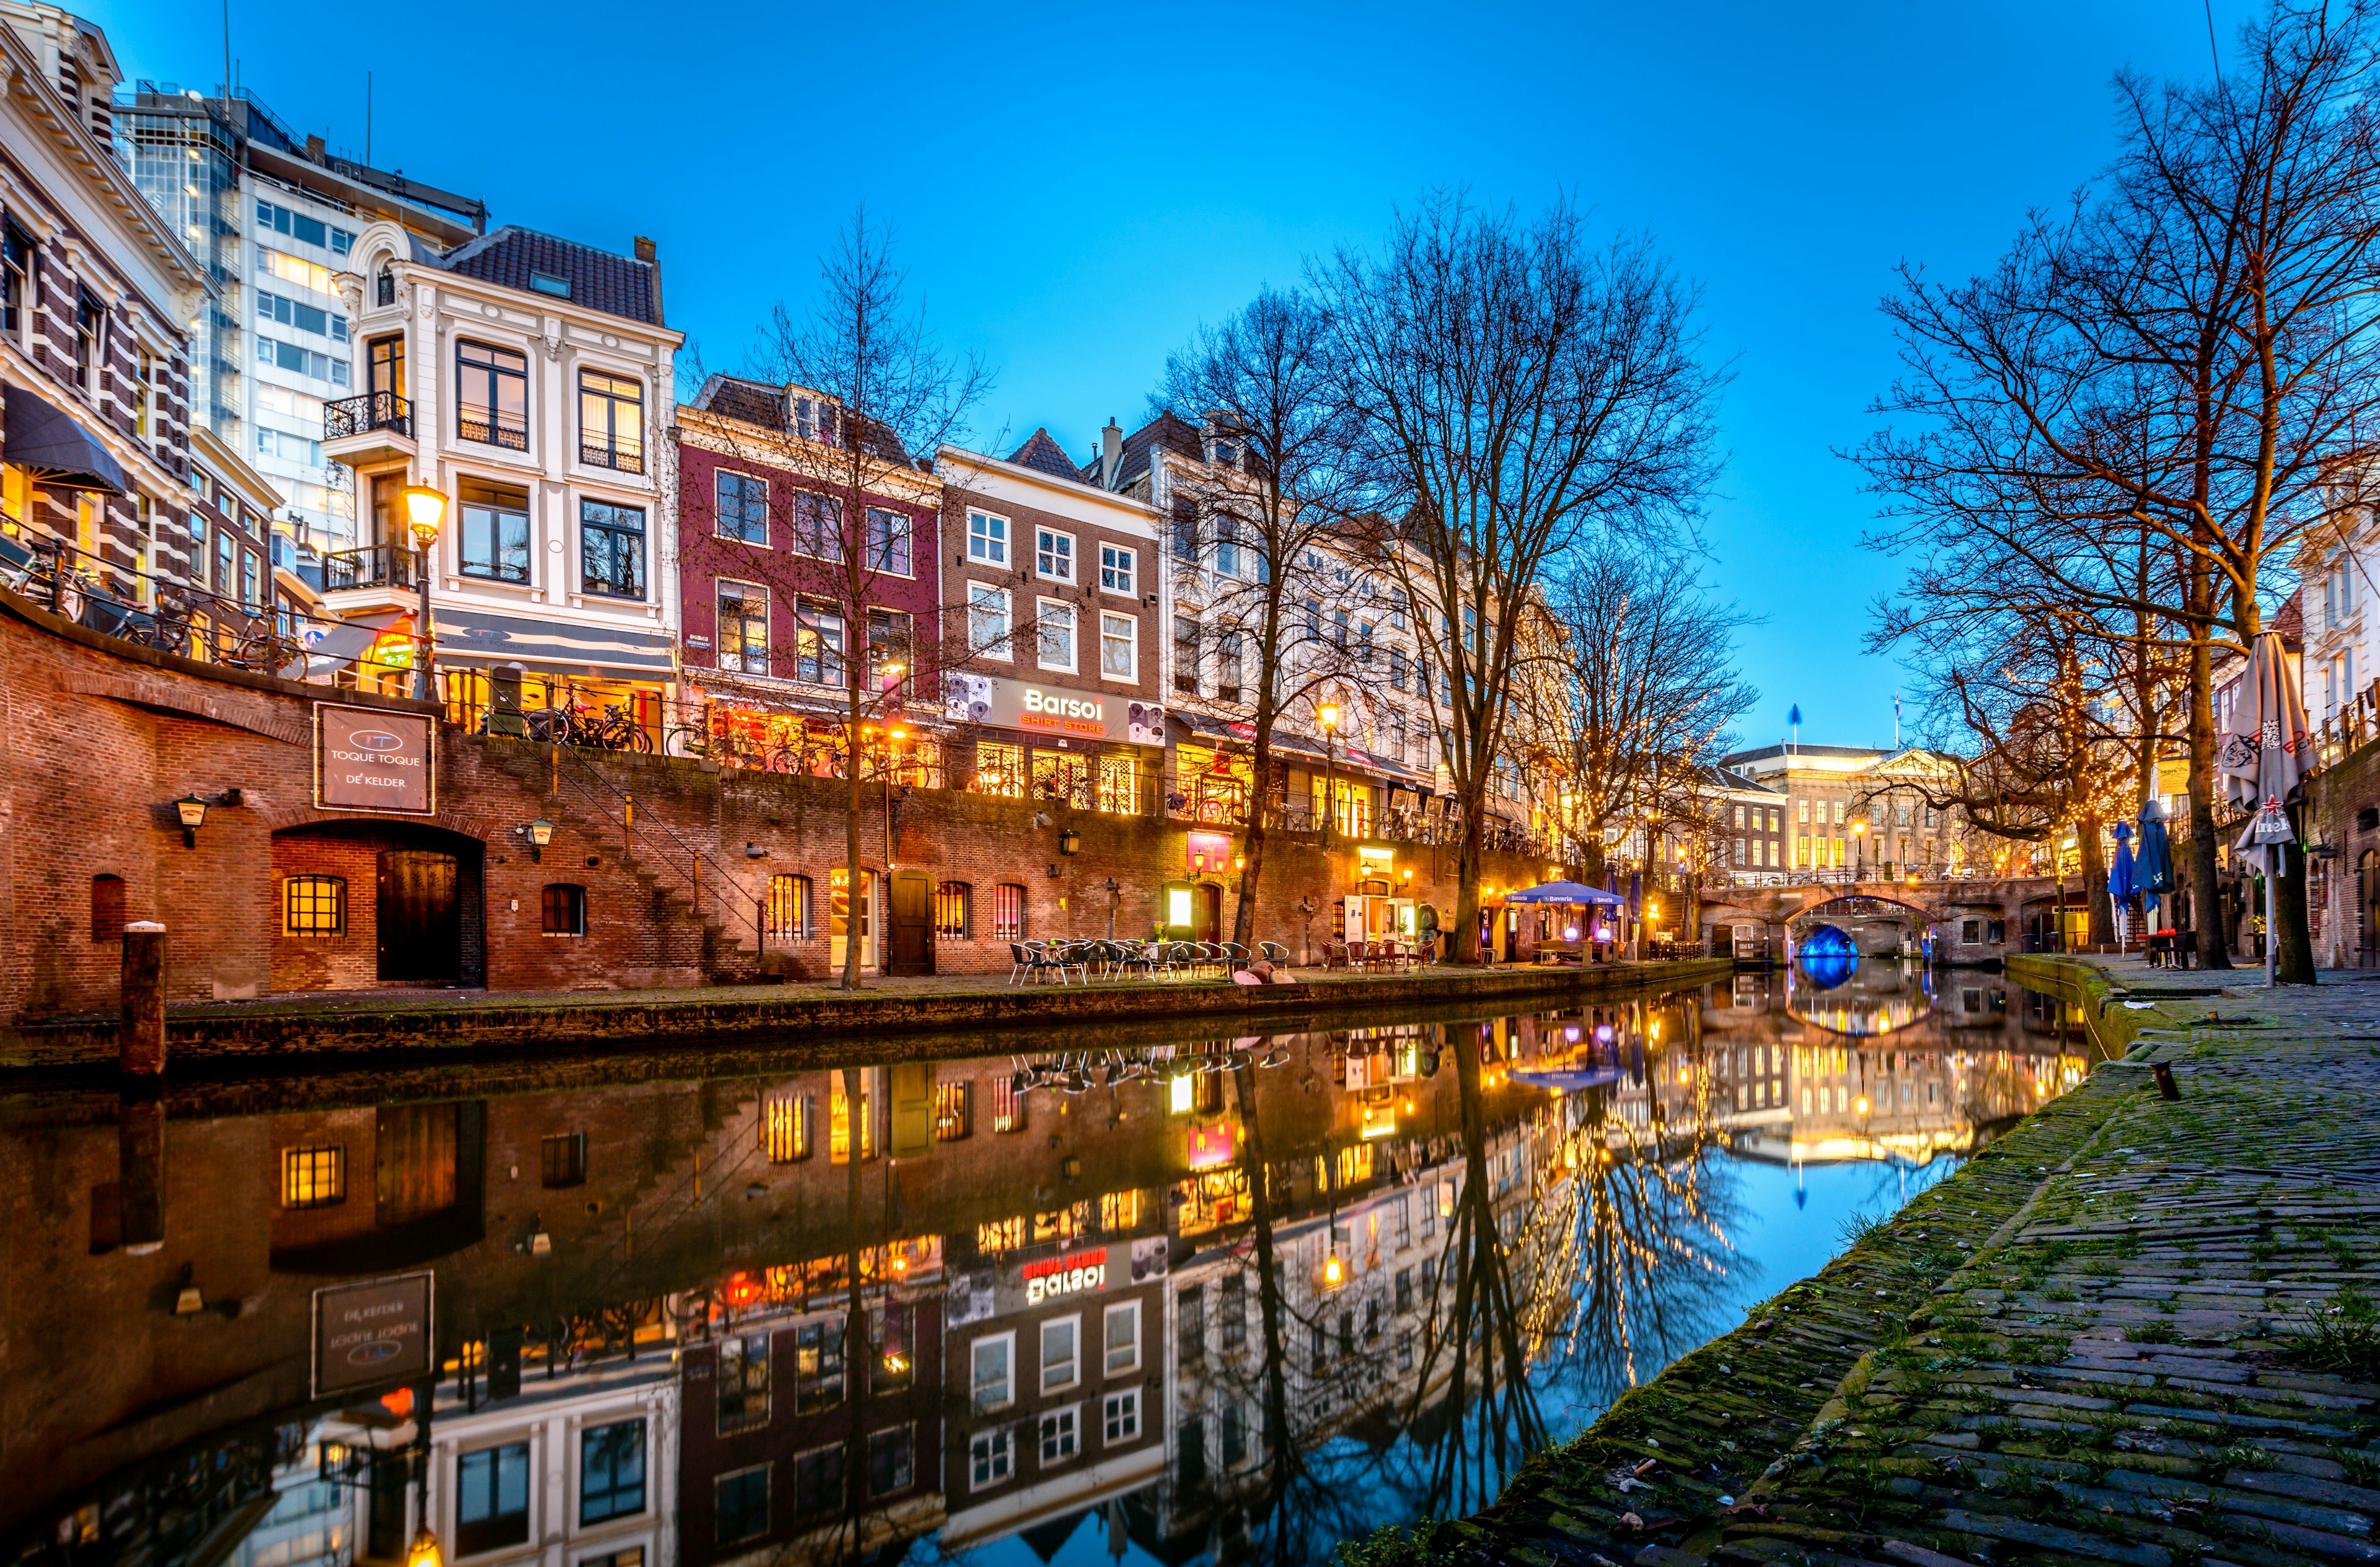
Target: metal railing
621, 456
373, 410
490, 428
191, 620
381, 565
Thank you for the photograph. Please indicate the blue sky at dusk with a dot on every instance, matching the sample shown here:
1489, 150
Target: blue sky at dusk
1075, 189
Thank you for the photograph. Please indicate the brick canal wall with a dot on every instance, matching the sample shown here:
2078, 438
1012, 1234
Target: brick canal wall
870, 1026
103, 737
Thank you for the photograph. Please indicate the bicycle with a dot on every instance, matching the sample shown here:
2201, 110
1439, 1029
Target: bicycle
616, 731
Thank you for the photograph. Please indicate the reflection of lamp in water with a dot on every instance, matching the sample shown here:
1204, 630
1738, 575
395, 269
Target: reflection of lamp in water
1334, 1272
424, 1552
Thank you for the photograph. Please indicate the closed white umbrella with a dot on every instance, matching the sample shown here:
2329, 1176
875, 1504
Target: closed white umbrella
2260, 762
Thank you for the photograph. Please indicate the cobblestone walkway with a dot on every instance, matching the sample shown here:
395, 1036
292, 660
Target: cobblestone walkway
2137, 1331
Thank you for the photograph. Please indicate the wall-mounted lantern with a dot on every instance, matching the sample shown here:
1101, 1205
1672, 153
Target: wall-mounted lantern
193, 812
540, 833
1069, 842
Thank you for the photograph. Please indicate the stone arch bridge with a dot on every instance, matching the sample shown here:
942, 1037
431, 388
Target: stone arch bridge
1970, 920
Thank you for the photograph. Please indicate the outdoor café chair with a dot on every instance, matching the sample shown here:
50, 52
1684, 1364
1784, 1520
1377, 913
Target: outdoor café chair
1273, 953
1022, 962
1071, 954
1236, 954
1334, 954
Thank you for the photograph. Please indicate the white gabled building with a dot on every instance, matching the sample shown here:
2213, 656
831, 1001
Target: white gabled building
530, 379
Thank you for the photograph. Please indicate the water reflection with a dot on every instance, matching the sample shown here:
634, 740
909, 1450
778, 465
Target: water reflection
1234, 1297
1864, 998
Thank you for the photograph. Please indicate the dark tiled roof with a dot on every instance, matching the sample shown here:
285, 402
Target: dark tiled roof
1168, 430
752, 402
1045, 456
598, 280
2289, 620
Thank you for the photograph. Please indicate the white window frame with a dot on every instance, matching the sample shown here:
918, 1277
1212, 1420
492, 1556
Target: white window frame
1041, 1368
1071, 1415
1129, 1310
1126, 1402
982, 548
1130, 677
975, 1389
1042, 626
981, 594
1041, 535
1109, 555
986, 1447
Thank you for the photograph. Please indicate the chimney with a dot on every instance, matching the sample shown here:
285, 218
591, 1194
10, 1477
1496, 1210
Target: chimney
1110, 454
649, 253
314, 149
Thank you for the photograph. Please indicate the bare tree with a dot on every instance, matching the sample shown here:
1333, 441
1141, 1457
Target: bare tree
1518, 388
1265, 384
2185, 356
1638, 705
866, 397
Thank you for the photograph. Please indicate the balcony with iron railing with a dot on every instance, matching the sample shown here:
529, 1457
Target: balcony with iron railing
620, 456
492, 426
380, 566
372, 428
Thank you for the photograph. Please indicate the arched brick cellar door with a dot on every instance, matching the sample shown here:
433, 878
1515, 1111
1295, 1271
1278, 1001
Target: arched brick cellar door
420, 916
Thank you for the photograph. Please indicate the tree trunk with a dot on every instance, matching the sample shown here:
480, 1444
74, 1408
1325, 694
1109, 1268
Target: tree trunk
1278, 1450
1466, 898
854, 883
2206, 886
2095, 897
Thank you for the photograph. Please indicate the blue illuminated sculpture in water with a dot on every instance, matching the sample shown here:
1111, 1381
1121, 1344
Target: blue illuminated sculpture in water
1827, 956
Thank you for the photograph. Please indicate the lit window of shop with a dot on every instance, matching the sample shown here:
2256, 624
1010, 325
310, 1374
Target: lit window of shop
1119, 646
1008, 912
998, 768
987, 539
314, 1177
1054, 637
953, 1111
1120, 788
785, 1128
818, 642
1060, 776
1119, 568
1007, 1106
817, 525
953, 911
314, 905
839, 1118
789, 909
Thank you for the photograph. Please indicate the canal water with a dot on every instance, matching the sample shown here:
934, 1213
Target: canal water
1177, 1300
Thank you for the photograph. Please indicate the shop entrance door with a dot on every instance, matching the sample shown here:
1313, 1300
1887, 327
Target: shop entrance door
1207, 908
420, 917
844, 922
910, 941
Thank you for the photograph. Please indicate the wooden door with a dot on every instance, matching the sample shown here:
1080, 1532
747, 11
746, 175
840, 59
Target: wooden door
910, 941
420, 917
1208, 924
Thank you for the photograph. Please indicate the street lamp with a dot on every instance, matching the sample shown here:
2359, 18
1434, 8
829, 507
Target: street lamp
425, 509
193, 811
1328, 714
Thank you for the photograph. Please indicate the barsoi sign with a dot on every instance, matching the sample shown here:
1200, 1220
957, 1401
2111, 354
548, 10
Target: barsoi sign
1051, 710
373, 1333
369, 760
1053, 1277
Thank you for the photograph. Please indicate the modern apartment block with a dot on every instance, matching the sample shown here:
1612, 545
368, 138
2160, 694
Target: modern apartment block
272, 217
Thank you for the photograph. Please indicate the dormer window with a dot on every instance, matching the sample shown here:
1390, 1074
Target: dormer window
1223, 453
546, 283
814, 420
